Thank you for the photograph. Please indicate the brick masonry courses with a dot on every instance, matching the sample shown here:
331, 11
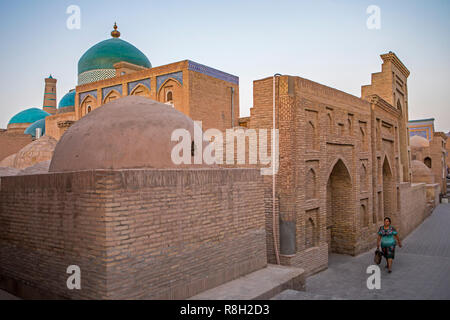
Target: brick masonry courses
344, 165
11, 142
136, 234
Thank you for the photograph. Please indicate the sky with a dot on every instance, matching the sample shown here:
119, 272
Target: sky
324, 41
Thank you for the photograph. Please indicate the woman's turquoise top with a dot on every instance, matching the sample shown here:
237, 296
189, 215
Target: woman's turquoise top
387, 236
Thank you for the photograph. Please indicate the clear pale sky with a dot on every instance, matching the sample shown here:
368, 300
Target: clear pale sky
324, 41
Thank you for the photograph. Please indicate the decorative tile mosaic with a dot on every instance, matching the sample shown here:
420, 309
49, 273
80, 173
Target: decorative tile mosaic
107, 90
175, 75
194, 66
132, 85
84, 94
96, 75
422, 134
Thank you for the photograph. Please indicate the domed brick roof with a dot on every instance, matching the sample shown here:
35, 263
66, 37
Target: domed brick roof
418, 142
37, 151
421, 173
38, 168
8, 161
131, 132
7, 171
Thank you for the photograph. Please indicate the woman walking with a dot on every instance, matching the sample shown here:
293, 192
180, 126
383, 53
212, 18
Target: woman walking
386, 237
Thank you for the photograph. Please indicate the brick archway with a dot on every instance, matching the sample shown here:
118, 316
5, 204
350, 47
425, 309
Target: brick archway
340, 210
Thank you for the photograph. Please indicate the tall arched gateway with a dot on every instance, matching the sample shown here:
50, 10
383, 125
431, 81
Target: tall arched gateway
340, 210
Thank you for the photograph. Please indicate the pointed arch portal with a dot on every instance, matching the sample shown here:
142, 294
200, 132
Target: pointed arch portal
340, 210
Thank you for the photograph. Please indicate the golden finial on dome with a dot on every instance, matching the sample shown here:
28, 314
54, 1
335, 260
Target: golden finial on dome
115, 33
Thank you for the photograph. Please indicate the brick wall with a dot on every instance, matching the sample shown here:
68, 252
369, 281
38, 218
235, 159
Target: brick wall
413, 207
391, 85
140, 234
433, 191
438, 160
11, 143
48, 222
321, 151
199, 96
434, 156
51, 124
189, 231
210, 101
340, 165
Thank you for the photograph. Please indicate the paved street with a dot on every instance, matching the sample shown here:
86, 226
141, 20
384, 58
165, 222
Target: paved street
421, 269
6, 296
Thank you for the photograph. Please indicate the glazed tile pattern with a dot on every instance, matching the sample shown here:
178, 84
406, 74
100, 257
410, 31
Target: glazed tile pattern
144, 82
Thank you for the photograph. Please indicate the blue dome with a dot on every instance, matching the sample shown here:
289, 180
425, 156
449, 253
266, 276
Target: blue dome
68, 100
107, 53
32, 128
29, 116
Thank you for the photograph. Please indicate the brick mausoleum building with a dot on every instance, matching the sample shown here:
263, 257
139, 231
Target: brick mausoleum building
344, 165
430, 147
108, 198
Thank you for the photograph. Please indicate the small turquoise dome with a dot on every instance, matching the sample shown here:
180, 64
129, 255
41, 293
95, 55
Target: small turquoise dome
108, 52
68, 100
32, 128
29, 116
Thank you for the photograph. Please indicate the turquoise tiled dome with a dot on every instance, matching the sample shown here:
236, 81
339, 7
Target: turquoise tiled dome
29, 116
98, 62
32, 128
68, 100
107, 53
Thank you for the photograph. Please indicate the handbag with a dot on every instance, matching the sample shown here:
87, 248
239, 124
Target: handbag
378, 256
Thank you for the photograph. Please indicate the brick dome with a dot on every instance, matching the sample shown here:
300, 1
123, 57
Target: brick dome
421, 173
7, 171
37, 151
418, 142
131, 132
8, 161
38, 168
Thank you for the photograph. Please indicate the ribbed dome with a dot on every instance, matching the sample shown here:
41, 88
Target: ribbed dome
32, 128
68, 100
106, 53
29, 116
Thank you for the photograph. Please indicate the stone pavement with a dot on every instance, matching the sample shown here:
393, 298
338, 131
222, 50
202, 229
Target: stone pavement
259, 285
6, 296
421, 269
